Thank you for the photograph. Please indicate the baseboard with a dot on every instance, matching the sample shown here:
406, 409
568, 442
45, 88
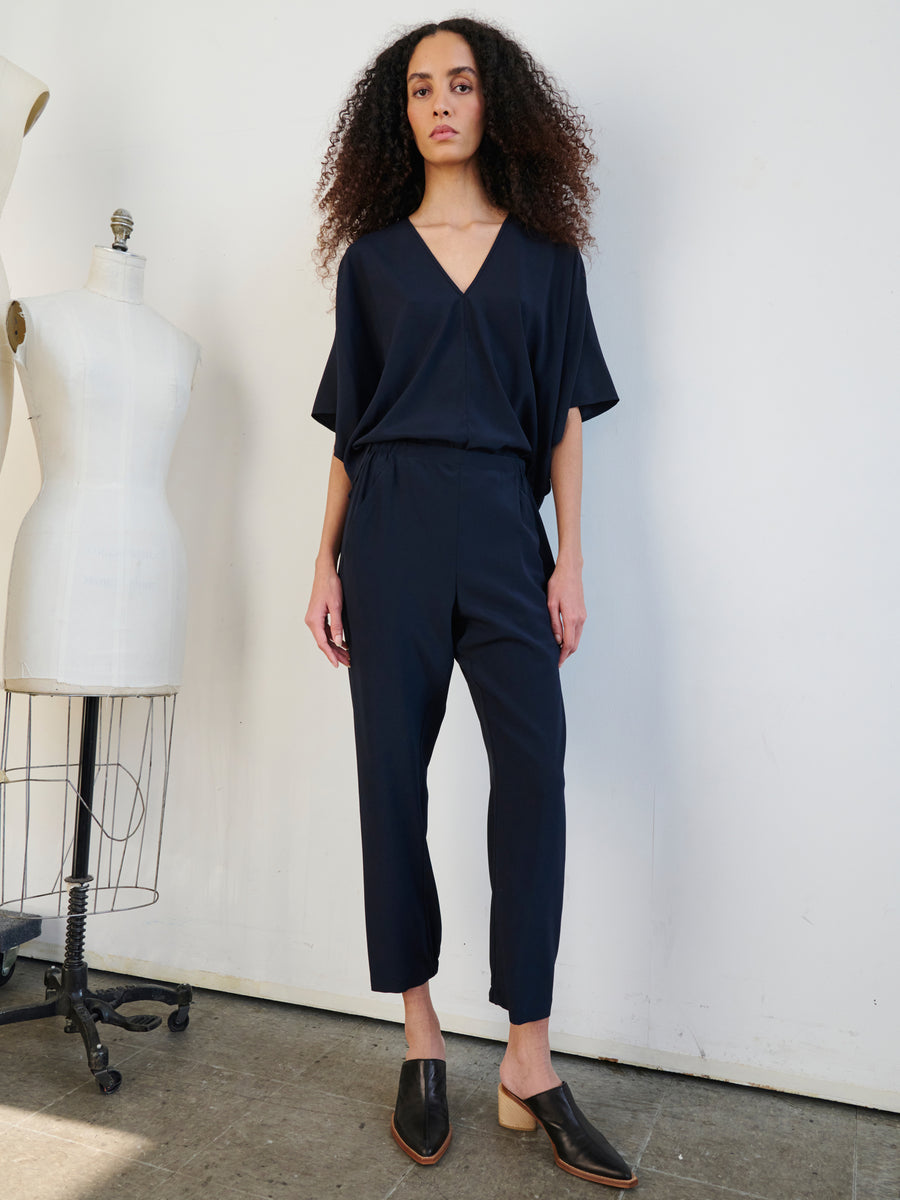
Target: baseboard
384, 1009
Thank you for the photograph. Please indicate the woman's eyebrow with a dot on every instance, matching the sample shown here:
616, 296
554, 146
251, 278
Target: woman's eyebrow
452, 71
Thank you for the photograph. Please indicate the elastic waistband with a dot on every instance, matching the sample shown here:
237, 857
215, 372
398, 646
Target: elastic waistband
442, 452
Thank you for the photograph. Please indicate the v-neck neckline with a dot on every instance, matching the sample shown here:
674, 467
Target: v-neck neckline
484, 262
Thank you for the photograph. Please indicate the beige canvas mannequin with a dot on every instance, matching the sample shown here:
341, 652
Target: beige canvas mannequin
97, 584
22, 100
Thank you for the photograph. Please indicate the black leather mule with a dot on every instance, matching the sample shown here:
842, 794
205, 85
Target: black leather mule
421, 1120
578, 1147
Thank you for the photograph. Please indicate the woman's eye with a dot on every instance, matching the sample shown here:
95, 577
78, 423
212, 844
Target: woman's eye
463, 87
419, 92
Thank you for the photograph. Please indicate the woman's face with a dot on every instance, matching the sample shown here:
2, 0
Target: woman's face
444, 100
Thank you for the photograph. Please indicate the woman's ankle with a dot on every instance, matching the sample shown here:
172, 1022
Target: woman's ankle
422, 1045
421, 1025
526, 1068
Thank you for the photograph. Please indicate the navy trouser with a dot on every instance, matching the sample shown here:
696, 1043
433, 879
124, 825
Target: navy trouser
444, 557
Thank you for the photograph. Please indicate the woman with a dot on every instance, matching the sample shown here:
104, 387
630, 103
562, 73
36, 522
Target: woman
464, 361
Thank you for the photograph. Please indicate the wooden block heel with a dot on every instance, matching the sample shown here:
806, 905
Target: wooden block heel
512, 1113
578, 1147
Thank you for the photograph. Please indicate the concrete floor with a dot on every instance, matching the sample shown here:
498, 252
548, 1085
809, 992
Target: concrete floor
258, 1099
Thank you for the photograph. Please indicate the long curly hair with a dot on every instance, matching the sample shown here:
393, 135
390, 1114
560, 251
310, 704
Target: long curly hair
535, 157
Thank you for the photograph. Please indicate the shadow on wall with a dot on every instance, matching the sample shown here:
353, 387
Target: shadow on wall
620, 758
207, 491
622, 565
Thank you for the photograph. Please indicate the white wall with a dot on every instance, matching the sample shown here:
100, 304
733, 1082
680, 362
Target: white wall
732, 903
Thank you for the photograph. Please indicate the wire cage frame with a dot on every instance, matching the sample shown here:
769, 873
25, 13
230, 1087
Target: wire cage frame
40, 799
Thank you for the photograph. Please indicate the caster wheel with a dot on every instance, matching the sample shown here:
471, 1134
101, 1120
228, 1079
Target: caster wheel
7, 966
109, 1081
178, 1024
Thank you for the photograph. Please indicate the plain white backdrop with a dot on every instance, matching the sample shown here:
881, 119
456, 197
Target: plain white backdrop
732, 895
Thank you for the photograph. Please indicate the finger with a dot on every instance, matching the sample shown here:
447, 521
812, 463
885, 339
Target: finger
339, 650
556, 623
573, 634
572, 626
328, 648
318, 627
567, 646
340, 653
564, 650
336, 626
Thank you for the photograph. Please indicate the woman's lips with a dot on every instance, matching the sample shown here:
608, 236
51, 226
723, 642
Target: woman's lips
442, 132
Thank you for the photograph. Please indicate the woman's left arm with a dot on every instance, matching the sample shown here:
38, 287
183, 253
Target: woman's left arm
565, 593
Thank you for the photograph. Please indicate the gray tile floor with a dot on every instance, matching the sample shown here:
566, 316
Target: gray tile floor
258, 1099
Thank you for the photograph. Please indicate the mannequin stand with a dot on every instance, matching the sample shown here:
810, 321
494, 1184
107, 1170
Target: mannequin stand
67, 992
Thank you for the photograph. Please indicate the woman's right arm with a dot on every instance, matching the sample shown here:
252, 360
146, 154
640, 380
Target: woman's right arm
326, 602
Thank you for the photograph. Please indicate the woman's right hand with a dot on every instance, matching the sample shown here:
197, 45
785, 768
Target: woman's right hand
324, 614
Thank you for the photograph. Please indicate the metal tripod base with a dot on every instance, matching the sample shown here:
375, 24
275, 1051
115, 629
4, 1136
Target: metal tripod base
69, 996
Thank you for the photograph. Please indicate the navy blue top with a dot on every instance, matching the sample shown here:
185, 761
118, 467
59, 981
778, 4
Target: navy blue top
496, 367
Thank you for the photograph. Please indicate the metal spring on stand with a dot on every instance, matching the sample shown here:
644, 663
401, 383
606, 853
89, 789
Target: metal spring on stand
77, 920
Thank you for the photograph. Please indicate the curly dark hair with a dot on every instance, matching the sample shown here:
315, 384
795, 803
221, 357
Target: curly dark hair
535, 157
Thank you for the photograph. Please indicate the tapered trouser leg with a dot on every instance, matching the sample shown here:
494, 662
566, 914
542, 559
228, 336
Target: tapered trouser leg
444, 557
507, 652
397, 577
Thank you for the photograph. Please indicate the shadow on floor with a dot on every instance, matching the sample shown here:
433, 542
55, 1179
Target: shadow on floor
261, 1099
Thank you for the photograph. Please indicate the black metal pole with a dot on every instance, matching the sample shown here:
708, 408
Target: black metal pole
87, 766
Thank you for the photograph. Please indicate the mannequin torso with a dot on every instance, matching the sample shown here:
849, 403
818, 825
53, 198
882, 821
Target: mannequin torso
22, 100
97, 586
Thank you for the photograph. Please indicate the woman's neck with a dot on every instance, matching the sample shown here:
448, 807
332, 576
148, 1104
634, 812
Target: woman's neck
117, 274
454, 195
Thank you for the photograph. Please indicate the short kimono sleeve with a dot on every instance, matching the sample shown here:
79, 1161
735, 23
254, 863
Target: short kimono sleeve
587, 384
353, 368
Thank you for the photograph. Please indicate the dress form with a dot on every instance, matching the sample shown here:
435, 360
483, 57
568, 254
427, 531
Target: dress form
22, 100
98, 580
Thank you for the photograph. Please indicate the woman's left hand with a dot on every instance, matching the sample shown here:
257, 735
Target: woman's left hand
565, 602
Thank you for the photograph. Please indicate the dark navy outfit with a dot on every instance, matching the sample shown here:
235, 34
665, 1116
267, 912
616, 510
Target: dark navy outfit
446, 406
